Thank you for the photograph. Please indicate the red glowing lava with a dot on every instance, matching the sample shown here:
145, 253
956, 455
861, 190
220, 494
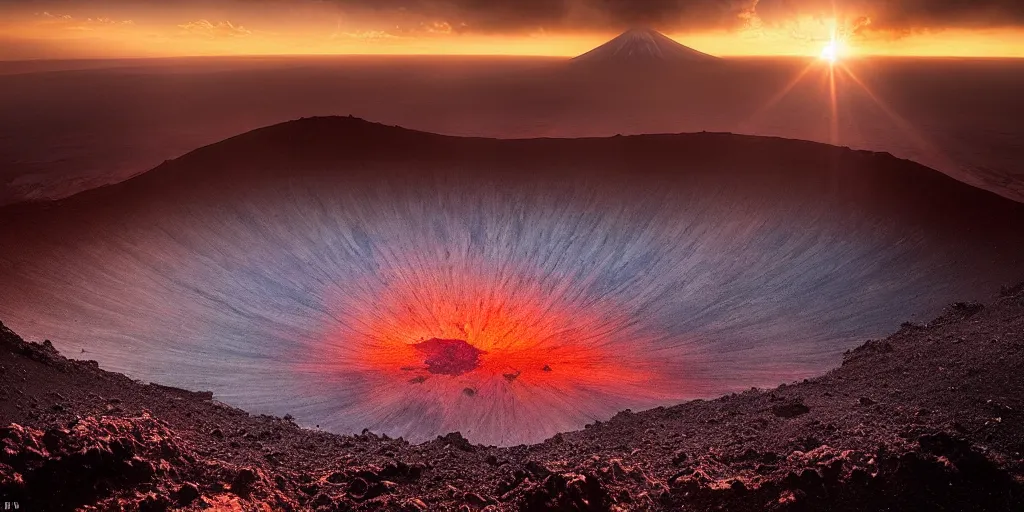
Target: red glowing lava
502, 358
449, 357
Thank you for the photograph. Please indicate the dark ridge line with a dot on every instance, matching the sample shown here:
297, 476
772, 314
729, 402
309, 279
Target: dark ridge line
418, 139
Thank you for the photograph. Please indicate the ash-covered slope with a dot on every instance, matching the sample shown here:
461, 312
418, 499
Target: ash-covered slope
926, 419
313, 268
643, 46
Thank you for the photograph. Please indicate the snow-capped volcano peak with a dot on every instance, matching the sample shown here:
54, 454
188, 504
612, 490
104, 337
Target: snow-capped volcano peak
643, 45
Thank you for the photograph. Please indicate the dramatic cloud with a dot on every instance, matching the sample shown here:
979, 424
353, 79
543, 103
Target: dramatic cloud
71, 22
904, 14
218, 29
511, 16
520, 27
56, 16
508, 16
500, 16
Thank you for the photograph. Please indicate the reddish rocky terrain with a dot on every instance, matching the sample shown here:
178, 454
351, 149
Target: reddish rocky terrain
929, 418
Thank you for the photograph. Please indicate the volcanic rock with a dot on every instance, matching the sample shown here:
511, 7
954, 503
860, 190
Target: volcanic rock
790, 410
836, 457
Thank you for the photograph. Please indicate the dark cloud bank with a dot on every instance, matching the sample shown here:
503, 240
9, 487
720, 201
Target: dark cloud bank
495, 15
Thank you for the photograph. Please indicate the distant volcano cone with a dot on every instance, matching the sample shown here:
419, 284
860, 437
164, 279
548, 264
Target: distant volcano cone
643, 46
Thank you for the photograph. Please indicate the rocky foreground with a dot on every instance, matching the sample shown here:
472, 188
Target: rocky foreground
927, 419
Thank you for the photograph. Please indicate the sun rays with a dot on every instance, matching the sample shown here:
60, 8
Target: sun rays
838, 85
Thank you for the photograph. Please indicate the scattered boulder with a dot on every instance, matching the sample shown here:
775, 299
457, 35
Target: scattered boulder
679, 458
566, 491
243, 482
414, 505
187, 493
537, 469
456, 440
790, 409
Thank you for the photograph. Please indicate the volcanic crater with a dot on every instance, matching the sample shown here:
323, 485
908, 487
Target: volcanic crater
360, 276
449, 357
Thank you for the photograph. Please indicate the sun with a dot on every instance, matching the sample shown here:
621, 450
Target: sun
834, 50
830, 53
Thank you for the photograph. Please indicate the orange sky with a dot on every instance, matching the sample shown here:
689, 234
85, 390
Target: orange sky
105, 31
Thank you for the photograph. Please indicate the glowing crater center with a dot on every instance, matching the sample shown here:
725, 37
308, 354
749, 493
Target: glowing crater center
449, 357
